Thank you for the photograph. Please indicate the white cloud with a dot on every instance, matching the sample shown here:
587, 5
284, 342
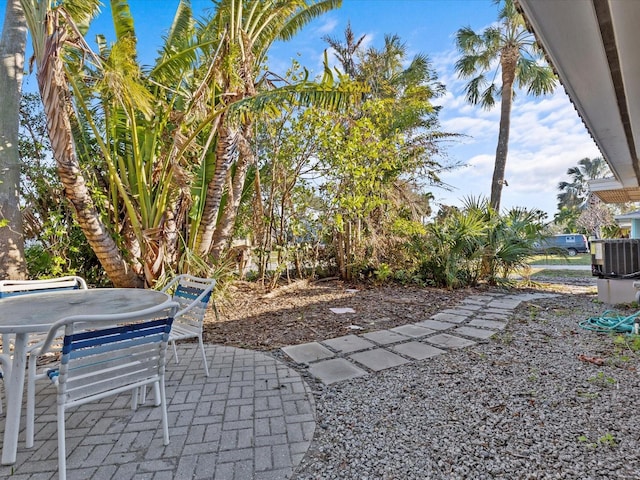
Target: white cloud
546, 138
471, 126
327, 26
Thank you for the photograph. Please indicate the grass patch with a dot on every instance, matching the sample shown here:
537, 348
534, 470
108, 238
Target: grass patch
547, 259
537, 273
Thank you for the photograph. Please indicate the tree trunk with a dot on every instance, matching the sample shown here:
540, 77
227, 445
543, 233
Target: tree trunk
508, 62
224, 228
12, 48
55, 98
339, 242
225, 151
348, 250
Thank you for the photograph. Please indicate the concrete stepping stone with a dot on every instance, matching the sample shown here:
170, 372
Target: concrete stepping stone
501, 311
493, 316
493, 324
474, 332
348, 343
384, 337
469, 306
449, 317
504, 304
479, 298
478, 303
378, 359
449, 341
460, 312
435, 324
307, 352
335, 370
417, 350
413, 331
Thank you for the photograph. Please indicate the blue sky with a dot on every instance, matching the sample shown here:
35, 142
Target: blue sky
547, 135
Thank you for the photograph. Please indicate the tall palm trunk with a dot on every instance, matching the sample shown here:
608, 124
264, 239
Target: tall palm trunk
12, 48
55, 98
508, 62
224, 228
225, 151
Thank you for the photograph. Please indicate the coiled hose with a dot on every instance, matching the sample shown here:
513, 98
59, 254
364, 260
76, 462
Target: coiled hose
611, 321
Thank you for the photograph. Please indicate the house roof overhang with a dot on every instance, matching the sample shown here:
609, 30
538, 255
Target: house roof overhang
593, 47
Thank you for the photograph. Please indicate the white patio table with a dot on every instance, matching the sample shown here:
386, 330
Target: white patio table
35, 313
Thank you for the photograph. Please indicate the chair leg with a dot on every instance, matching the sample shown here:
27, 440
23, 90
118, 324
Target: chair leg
6, 343
6, 373
135, 394
157, 398
142, 396
31, 400
175, 351
62, 451
204, 356
163, 401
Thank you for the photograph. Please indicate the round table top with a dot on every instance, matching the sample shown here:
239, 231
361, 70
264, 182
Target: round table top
36, 312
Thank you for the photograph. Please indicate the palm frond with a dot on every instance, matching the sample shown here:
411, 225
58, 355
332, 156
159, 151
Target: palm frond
320, 95
122, 19
312, 11
181, 27
480, 92
542, 80
467, 40
82, 12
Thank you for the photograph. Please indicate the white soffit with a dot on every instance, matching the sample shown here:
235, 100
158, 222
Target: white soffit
610, 190
593, 46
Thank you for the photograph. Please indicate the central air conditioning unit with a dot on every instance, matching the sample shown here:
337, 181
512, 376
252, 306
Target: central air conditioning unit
618, 258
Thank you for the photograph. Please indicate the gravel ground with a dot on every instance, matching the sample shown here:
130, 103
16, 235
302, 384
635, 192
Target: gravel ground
526, 404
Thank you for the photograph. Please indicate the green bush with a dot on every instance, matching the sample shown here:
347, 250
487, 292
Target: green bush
475, 244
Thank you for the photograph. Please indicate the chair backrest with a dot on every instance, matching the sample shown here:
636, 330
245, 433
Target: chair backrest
104, 355
10, 288
5, 365
193, 295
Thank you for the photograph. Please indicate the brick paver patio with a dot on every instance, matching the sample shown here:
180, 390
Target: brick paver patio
252, 418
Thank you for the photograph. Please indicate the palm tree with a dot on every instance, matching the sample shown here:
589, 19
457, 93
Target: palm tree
346, 52
52, 29
246, 30
512, 50
12, 49
383, 151
575, 193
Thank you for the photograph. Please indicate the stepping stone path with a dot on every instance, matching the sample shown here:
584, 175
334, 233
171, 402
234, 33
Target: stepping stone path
476, 319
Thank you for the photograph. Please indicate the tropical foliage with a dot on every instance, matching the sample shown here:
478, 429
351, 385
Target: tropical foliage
55, 243
160, 168
509, 52
154, 160
578, 209
379, 158
574, 195
476, 243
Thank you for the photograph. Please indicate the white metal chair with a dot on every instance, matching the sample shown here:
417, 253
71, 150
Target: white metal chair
104, 355
5, 366
193, 294
10, 288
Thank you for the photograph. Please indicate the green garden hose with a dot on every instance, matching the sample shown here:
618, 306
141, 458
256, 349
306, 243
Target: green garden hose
611, 321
